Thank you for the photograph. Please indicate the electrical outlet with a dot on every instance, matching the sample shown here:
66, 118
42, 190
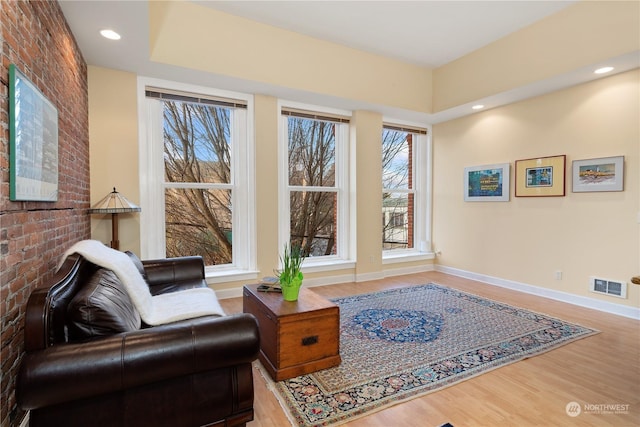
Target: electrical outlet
559, 275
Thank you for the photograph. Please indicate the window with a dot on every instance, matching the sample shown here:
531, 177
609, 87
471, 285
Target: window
314, 172
404, 165
194, 196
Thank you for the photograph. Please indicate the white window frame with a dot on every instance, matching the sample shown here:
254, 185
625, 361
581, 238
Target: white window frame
344, 257
422, 179
152, 185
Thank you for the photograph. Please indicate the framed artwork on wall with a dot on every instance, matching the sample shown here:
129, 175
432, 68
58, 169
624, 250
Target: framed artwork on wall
603, 174
489, 183
540, 177
33, 141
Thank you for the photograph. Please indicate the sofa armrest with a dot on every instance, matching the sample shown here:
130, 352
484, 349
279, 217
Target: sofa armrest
174, 274
67, 372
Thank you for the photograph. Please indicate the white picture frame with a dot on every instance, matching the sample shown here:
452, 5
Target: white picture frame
487, 183
600, 174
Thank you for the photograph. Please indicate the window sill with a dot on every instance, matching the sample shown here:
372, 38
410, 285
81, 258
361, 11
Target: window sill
310, 266
231, 275
409, 256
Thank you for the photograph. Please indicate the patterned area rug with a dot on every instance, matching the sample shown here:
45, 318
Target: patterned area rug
402, 343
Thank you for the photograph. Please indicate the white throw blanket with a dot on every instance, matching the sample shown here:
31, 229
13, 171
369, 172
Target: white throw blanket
154, 310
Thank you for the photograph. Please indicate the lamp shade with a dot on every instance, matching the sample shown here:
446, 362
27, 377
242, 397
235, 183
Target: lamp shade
114, 202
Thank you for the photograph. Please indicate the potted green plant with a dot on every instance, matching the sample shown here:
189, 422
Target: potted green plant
290, 276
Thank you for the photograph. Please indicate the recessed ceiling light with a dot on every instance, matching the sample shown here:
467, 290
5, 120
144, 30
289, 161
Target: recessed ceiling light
603, 70
110, 34
477, 107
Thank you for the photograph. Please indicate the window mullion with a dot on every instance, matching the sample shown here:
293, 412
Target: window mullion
284, 193
313, 188
399, 190
199, 185
152, 196
342, 181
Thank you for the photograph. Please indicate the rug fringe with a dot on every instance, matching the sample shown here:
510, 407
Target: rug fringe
272, 387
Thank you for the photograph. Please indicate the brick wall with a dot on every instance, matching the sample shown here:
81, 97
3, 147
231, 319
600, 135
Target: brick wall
34, 35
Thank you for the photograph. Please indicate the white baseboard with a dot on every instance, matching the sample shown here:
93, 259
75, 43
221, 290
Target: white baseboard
608, 307
309, 283
365, 277
330, 280
344, 278
229, 293
392, 272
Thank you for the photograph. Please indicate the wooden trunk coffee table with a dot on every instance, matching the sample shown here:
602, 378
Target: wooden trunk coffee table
296, 337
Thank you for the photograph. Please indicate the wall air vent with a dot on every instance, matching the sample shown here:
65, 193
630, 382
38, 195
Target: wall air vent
614, 288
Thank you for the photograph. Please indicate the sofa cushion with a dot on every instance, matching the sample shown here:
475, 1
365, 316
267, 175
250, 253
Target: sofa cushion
101, 307
138, 263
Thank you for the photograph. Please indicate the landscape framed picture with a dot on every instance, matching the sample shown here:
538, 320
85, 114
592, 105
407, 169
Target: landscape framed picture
488, 183
603, 174
33, 141
542, 176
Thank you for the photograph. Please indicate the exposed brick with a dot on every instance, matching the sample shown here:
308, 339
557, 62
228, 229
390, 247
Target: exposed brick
35, 36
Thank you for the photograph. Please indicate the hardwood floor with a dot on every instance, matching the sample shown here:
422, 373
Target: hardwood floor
603, 369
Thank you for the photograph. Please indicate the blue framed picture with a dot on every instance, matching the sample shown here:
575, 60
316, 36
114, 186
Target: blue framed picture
488, 183
33, 139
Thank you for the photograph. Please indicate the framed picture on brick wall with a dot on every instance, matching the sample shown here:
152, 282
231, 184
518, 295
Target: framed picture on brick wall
33, 134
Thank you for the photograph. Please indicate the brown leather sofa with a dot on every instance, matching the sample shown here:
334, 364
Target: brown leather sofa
116, 371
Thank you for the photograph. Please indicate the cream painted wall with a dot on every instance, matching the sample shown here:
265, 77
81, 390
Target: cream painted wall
585, 33
528, 239
209, 40
113, 150
367, 134
498, 239
266, 137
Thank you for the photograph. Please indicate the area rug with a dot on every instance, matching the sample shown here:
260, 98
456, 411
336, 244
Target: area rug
402, 343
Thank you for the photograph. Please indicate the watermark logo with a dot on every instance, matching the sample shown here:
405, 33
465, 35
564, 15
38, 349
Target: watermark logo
573, 409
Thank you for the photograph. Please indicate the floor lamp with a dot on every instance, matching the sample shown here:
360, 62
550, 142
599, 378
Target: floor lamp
114, 203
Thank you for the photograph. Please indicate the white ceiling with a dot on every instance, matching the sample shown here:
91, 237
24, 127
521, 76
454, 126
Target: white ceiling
427, 33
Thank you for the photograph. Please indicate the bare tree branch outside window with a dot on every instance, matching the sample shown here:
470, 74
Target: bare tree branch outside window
397, 184
395, 170
312, 165
197, 151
